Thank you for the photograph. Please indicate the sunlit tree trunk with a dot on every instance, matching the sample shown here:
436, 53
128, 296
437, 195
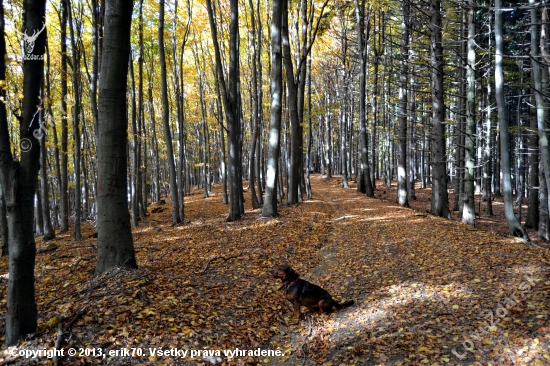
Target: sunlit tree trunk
114, 241
514, 227
166, 120
230, 98
402, 194
270, 202
64, 191
537, 78
76, 125
468, 211
364, 184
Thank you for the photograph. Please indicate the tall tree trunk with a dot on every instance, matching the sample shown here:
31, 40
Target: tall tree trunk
270, 202
134, 194
440, 200
64, 198
230, 98
468, 211
487, 158
49, 232
256, 105
165, 121
402, 194
19, 179
309, 132
532, 218
114, 241
535, 59
514, 227
364, 184
76, 124
292, 99
544, 217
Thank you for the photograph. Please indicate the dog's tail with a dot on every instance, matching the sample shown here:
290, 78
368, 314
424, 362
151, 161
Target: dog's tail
345, 304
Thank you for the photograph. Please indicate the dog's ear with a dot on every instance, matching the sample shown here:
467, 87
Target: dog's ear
290, 273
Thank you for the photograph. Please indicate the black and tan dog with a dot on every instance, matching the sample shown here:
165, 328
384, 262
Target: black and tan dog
303, 293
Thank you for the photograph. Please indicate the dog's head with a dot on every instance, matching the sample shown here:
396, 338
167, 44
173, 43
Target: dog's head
284, 272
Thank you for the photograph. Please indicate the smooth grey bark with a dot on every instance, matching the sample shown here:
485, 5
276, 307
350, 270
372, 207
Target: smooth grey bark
20, 179
259, 147
223, 166
142, 131
64, 184
487, 151
114, 242
166, 120
440, 199
256, 105
270, 202
544, 217
468, 210
309, 132
134, 193
49, 232
76, 125
532, 218
57, 167
402, 193
230, 94
364, 184
292, 105
537, 78
514, 227
3, 210
154, 142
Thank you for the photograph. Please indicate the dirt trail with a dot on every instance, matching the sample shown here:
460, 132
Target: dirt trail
422, 286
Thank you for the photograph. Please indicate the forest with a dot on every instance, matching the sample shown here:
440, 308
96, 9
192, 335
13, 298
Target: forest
159, 160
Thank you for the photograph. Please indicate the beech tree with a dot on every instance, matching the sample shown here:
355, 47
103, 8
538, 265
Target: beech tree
19, 179
270, 202
115, 246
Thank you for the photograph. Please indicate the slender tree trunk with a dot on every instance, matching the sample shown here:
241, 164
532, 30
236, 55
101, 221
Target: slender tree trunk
256, 105
544, 217
64, 198
49, 232
532, 219
514, 226
364, 184
487, 158
468, 211
223, 167
114, 241
134, 197
292, 100
76, 125
535, 59
402, 194
165, 121
230, 98
440, 200
309, 132
270, 203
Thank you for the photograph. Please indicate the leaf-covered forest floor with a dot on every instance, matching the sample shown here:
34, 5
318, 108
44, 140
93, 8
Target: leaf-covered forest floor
422, 286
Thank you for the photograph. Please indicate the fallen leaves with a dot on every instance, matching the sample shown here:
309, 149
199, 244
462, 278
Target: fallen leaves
422, 286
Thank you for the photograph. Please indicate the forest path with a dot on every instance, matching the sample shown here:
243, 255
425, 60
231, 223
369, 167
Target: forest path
422, 286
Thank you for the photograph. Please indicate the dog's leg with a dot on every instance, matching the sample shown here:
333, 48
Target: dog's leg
296, 312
